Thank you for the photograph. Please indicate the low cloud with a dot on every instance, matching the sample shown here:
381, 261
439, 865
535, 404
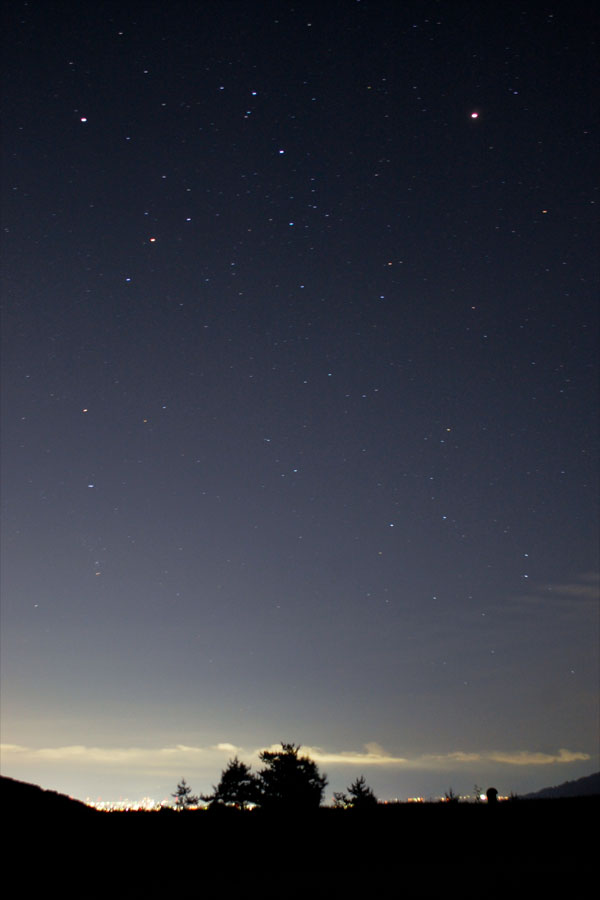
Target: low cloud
525, 758
374, 755
174, 759
154, 760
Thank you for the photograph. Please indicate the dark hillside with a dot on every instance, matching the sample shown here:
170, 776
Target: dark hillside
20, 798
588, 786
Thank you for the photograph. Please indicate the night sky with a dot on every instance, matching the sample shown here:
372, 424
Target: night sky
299, 393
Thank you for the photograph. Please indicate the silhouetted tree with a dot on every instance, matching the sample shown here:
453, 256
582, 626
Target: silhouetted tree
361, 795
289, 781
184, 797
237, 787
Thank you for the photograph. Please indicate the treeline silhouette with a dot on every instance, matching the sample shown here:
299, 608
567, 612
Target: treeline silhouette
288, 782
282, 847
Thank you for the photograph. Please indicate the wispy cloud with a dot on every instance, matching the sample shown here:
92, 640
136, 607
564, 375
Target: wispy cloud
175, 758
527, 758
374, 755
575, 595
155, 760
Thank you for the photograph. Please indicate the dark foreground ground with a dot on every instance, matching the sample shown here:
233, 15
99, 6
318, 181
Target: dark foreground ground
526, 848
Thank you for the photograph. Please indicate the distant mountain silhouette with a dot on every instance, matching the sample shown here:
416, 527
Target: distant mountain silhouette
19, 797
588, 786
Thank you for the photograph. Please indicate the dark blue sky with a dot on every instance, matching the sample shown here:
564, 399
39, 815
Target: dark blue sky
299, 392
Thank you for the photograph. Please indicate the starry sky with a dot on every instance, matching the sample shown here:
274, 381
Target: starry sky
299, 396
